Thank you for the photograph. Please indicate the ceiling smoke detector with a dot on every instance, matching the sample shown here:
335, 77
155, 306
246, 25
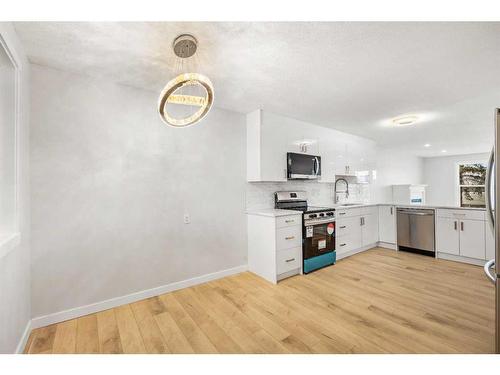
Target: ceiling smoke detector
185, 46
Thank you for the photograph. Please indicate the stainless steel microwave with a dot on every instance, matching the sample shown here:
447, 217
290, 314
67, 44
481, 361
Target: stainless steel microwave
303, 166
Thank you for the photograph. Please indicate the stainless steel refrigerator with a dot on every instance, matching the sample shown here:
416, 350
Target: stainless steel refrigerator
492, 266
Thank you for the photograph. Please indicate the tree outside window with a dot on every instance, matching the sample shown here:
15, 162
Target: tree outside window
472, 178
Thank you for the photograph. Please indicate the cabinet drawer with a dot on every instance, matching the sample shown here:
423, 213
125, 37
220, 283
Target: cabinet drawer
289, 237
347, 243
288, 221
462, 214
288, 259
347, 212
348, 226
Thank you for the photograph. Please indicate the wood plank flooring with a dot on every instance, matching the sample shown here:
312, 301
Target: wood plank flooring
378, 301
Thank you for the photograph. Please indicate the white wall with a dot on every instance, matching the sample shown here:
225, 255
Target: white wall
15, 265
110, 185
440, 173
393, 168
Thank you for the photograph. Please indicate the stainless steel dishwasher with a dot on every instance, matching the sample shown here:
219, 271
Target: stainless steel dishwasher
416, 230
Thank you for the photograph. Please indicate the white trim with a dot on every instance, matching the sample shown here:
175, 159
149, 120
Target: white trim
387, 245
355, 251
17, 121
76, 312
24, 338
457, 258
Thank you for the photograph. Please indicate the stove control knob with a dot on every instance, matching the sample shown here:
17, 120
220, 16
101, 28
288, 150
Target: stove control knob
312, 216
329, 214
321, 215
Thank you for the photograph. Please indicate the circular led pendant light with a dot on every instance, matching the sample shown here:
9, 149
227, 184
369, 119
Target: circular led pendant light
193, 91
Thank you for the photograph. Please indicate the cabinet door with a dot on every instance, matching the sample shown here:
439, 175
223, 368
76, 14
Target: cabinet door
369, 230
472, 239
447, 236
387, 224
490, 241
273, 148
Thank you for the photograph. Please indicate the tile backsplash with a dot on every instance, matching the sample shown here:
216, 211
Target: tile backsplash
261, 194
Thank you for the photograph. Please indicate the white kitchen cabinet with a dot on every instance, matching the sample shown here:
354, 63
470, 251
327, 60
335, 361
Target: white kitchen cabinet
461, 233
472, 239
266, 147
369, 229
356, 228
387, 224
271, 136
447, 236
274, 245
490, 241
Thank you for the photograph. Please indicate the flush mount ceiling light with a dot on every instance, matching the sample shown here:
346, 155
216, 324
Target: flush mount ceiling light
405, 120
187, 98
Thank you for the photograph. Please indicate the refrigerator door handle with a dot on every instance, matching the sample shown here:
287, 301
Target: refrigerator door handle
489, 208
489, 265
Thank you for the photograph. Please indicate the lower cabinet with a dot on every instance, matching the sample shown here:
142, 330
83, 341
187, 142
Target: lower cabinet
274, 246
447, 236
356, 228
387, 224
369, 229
462, 233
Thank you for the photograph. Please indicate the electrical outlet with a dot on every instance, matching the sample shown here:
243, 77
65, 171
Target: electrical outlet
187, 219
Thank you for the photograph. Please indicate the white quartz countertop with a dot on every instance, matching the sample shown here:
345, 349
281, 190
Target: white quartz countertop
273, 212
433, 207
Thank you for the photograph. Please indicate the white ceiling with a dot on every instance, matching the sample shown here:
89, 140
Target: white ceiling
348, 76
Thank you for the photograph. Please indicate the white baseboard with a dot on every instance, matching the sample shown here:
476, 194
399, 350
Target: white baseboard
355, 251
457, 258
387, 245
24, 338
76, 312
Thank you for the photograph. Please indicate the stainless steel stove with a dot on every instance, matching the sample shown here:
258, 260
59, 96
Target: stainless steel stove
318, 229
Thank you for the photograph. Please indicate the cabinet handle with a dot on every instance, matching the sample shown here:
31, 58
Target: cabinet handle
392, 211
342, 227
341, 213
286, 174
462, 226
342, 244
289, 221
455, 222
289, 238
290, 260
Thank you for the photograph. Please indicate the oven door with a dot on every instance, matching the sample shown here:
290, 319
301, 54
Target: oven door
318, 239
303, 166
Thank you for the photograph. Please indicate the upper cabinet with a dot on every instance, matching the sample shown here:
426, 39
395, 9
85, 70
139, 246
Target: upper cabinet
271, 136
266, 147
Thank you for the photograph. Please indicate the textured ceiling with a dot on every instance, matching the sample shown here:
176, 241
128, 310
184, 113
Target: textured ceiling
348, 76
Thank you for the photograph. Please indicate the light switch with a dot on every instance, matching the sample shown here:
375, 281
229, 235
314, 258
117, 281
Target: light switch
187, 219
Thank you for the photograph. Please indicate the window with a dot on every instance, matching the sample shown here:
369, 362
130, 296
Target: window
471, 177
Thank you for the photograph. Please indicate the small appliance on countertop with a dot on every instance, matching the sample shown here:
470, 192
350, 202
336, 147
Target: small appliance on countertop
318, 229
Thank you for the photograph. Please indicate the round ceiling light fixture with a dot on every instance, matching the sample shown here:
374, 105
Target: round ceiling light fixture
187, 98
405, 120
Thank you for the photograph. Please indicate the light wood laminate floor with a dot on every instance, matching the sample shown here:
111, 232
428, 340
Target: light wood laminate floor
378, 301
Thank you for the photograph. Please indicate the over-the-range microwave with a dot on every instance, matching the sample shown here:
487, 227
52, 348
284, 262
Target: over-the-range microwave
302, 166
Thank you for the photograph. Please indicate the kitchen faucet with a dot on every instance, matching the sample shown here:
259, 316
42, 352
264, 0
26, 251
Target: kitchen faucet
346, 189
